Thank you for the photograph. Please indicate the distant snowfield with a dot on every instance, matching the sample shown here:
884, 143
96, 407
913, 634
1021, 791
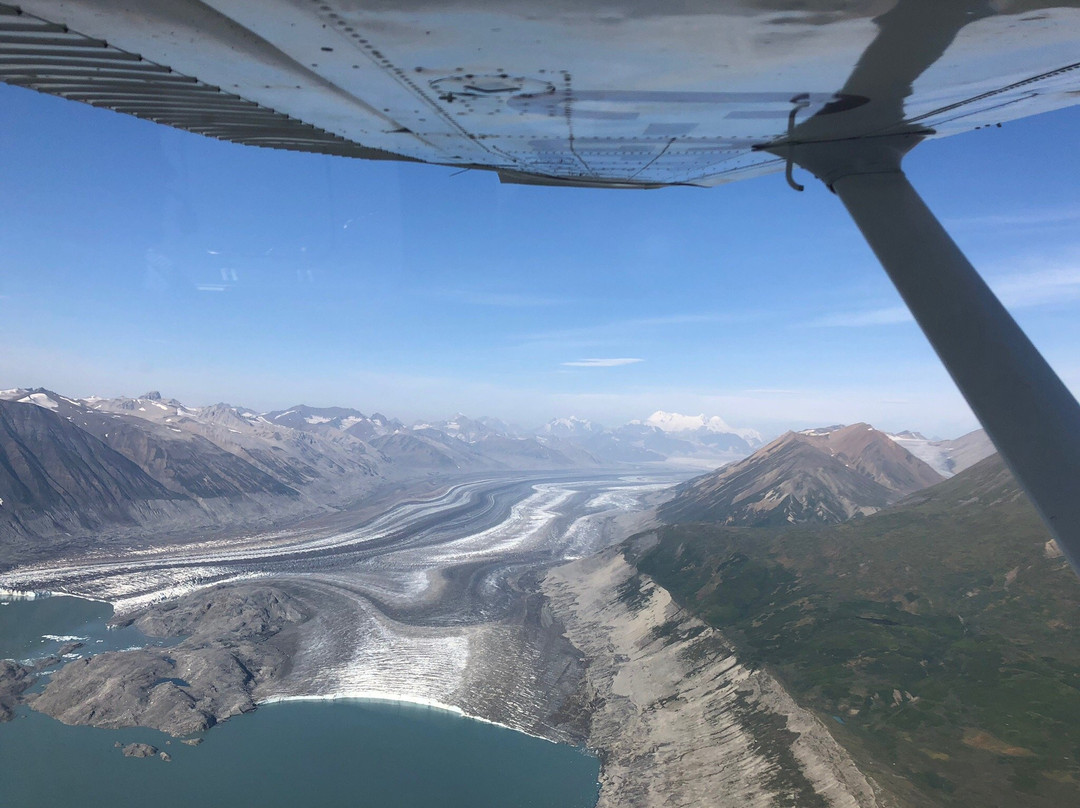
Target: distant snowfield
948, 457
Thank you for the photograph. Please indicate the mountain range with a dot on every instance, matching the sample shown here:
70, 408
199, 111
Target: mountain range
75, 466
70, 466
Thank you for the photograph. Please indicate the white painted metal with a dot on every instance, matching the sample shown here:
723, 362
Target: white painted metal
622, 93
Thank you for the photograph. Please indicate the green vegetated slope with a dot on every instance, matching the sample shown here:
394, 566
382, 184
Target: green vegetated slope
937, 639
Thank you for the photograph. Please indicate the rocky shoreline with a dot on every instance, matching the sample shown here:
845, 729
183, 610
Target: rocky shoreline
16, 678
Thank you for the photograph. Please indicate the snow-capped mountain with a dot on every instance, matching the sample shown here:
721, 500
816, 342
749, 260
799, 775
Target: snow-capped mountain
676, 422
471, 430
692, 439
571, 427
328, 420
688, 440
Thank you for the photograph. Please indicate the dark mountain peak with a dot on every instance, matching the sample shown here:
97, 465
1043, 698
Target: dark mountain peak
911, 435
820, 475
52, 472
875, 454
224, 415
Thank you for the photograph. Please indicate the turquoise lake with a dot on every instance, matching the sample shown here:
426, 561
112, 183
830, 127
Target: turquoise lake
318, 753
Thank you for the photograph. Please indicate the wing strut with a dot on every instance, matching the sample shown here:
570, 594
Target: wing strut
1027, 411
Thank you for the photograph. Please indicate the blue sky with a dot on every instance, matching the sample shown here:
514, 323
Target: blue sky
135, 257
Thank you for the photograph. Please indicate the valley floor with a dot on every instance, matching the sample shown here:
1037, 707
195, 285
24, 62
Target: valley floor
443, 599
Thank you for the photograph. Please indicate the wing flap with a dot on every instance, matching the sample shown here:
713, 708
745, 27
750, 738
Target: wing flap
49, 58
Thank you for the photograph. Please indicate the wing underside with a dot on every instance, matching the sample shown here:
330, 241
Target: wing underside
611, 95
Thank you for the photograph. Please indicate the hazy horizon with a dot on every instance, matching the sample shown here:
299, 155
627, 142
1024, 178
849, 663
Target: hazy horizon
139, 257
435, 417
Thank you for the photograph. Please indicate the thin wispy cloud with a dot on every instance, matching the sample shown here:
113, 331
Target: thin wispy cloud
471, 297
602, 363
679, 319
1054, 284
858, 319
1050, 217
618, 331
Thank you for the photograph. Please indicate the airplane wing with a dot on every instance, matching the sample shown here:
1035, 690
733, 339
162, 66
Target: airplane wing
628, 94
615, 94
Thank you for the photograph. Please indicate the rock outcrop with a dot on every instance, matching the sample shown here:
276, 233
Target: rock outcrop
139, 750
235, 639
14, 680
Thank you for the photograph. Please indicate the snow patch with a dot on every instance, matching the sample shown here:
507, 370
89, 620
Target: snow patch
41, 400
818, 432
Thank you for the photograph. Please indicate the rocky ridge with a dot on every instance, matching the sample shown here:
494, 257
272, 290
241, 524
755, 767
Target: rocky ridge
823, 476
